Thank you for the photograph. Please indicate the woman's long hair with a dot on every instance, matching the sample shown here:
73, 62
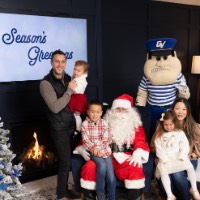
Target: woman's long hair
189, 126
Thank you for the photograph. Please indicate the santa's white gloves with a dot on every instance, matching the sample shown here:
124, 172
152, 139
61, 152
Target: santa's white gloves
83, 152
135, 159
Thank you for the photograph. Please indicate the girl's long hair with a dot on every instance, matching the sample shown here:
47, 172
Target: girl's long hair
168, 114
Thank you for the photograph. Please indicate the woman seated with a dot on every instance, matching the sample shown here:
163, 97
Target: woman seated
179, 182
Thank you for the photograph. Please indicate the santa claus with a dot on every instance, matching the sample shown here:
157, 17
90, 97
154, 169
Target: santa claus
129, 148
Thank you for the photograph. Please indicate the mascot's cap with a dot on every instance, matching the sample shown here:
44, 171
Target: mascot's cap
160, 46
123, 101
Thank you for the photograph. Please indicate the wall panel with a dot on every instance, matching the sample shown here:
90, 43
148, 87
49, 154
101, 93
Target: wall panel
124, 31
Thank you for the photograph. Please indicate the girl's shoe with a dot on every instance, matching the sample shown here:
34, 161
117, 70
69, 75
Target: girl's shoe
195, 194
171, 198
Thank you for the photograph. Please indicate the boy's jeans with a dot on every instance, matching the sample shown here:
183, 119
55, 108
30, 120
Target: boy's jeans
105, 176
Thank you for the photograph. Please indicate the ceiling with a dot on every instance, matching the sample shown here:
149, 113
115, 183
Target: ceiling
188, 2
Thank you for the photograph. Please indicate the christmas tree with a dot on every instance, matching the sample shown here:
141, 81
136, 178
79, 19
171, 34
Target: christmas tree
9, 174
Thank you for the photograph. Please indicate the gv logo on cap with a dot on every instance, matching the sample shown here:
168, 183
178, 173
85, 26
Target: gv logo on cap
160, 44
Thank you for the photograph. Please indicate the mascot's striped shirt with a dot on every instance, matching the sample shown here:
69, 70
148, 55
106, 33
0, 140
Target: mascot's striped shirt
161, 95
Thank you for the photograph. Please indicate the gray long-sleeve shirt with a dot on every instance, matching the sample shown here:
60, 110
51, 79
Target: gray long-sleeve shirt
49, 95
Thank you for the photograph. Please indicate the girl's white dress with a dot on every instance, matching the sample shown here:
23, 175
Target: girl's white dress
172, 150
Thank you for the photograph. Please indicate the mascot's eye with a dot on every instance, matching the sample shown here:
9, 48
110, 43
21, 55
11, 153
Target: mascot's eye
165, 57
158, 58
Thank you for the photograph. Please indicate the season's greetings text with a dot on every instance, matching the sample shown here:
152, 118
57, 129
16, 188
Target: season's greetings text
35, 53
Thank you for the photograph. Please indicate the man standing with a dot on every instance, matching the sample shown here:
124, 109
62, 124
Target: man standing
56, 89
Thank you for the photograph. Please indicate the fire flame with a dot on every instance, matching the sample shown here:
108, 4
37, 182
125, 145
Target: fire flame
36, 152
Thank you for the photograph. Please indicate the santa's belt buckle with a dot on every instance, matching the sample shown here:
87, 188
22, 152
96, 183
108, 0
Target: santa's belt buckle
116, 149
122, 149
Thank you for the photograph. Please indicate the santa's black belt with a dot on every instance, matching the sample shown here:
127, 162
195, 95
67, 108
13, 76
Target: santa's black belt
123, 148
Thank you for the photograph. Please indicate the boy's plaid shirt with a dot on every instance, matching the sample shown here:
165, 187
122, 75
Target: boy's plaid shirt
96, 134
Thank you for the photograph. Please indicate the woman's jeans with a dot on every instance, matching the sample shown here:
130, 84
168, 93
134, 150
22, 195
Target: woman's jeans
105, 176
179, 184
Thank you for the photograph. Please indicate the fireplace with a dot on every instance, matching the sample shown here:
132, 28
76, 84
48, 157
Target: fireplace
33, 146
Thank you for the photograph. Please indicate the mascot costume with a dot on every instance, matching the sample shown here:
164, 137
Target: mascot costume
129, 148
162, 81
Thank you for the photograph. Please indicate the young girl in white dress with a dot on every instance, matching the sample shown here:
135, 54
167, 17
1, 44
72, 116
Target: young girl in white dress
172, 149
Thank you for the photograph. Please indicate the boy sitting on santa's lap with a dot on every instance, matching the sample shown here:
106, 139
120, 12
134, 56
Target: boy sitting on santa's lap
129, 147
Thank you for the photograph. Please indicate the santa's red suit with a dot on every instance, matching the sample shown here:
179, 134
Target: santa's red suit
129, 146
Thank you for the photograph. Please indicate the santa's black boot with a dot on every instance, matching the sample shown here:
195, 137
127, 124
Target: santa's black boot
134, 194
89, 195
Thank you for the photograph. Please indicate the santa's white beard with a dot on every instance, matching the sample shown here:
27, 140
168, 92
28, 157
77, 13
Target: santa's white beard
123, 126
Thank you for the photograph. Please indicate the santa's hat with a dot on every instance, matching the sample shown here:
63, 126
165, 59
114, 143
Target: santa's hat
123, 101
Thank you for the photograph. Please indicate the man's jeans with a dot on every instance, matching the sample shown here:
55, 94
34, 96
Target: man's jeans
62, 143
77, 163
